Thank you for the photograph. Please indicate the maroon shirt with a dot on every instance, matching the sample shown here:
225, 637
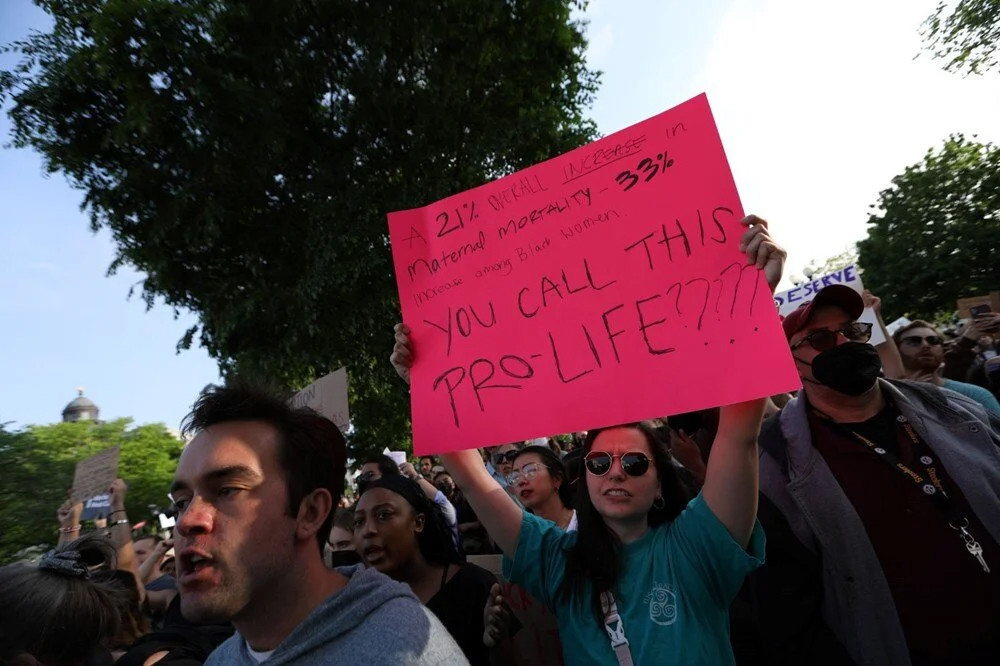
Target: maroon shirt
948, 605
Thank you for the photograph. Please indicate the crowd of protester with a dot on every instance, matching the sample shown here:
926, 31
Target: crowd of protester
854, 522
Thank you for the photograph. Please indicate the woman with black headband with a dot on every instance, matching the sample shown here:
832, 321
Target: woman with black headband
401, 533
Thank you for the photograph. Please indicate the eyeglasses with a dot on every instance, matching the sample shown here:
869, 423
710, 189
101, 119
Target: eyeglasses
527, 472
823, 340
501, 458
916, 340
599, 463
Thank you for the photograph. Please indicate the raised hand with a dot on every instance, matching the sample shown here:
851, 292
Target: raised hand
762, 251
402, 352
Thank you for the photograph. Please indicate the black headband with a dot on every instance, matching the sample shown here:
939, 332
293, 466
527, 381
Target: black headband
406, 488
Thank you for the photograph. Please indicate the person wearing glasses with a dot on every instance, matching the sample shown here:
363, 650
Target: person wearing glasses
922, 350
881, 502
539, 480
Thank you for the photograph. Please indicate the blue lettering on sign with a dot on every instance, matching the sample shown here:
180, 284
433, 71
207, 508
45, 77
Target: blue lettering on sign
848, 276
792, 296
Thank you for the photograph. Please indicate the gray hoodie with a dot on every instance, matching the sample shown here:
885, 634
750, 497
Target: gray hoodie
372, 620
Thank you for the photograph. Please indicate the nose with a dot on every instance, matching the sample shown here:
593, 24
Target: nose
617, 472
365, 529
197, 518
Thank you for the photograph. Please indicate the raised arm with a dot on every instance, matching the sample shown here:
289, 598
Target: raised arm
497, 511
888, 352
732, 479
731, 482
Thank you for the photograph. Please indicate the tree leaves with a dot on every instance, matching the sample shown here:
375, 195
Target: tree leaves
935, 237
244, 156
967, 38
37, 466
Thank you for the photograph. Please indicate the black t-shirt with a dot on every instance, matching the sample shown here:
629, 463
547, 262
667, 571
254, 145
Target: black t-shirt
459, 604
945, 601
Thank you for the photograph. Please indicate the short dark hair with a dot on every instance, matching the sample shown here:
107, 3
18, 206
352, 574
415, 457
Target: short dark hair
344, 519
916, 323
311, 449
433, 459
58, 617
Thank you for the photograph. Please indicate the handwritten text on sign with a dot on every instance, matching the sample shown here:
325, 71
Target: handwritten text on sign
599, 287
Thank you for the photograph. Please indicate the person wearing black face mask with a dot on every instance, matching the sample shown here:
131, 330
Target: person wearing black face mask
880, 502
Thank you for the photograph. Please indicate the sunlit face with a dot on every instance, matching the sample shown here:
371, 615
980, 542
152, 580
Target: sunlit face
617, 496
829, 318
234, 536
918, 353
534, 485
340, 539
385, 530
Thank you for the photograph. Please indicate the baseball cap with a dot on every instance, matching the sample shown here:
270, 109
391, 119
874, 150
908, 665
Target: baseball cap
839, 295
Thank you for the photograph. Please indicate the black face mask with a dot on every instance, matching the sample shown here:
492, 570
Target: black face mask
850, 368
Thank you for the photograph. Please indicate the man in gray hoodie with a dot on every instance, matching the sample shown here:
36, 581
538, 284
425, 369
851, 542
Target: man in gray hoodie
255, 492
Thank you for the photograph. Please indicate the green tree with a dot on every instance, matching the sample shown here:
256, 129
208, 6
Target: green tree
37, 466
965, 35
244, 155
935, 235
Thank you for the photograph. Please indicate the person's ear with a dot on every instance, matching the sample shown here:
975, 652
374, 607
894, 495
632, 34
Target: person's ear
418, 523
313, 511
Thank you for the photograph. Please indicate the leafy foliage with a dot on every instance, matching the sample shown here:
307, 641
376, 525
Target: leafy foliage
966, 38
935, 237
37, 466
244, 155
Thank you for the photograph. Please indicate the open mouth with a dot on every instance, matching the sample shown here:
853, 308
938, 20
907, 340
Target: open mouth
619, 493
373, 554
194, 566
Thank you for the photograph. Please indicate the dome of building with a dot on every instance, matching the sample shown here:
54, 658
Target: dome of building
81, 408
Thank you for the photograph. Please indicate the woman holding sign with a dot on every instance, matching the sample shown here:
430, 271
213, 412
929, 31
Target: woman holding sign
647, 578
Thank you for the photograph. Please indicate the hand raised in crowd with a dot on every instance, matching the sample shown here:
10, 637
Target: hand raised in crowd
402, 352
762, 251
871, 301
984, 324
408, 470
69, 514
117, 490
496, 617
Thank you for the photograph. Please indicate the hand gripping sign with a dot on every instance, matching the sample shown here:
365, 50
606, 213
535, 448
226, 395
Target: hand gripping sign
602, 286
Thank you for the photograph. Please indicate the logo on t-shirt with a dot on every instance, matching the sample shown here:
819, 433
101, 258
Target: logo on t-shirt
662, 605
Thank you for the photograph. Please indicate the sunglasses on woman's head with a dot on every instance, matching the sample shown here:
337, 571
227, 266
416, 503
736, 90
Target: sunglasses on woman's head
599, 463
500, 458
824, 340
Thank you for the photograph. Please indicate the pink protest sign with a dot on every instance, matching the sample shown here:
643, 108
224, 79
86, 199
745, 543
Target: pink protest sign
602, 286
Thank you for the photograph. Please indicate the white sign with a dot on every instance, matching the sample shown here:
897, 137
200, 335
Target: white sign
789, 300
896, 325
328, 397
398, 457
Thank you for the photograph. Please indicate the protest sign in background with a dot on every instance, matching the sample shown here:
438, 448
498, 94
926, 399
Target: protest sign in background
96, 506
599, 287
94, 475
328, 397
849, 275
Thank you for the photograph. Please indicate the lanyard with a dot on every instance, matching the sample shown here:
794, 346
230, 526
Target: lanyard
929, 481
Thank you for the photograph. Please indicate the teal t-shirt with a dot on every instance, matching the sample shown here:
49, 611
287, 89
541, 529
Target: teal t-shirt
977, 393
677, 584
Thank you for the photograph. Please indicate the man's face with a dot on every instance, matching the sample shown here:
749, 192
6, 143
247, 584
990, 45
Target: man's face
828, 318
426, 464
918, 352
142, 548
234, 538
370, 472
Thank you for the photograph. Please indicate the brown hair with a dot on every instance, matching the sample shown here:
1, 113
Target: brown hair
916, 323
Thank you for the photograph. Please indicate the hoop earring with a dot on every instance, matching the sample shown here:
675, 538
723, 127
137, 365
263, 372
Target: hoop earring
662, 503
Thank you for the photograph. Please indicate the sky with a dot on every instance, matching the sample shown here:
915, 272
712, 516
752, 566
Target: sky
819, 105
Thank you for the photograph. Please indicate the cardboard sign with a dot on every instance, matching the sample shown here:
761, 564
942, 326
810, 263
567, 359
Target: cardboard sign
896, 325
850, 276
537, 642
964, 304
94, 475
603, 286
328, 397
